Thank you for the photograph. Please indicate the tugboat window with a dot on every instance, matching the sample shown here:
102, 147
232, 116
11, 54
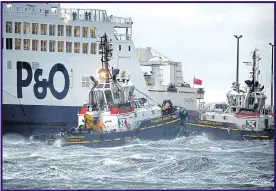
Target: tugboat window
100, 97
108, 96
107, 86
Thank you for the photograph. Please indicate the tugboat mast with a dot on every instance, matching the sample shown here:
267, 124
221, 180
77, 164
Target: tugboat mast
253, 71
106, 56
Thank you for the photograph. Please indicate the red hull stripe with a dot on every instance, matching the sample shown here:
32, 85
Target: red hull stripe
119, 111
241, 114
83, 110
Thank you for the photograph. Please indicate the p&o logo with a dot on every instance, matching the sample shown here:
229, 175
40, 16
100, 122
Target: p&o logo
43, 83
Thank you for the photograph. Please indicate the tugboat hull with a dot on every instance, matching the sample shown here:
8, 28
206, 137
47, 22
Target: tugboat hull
165, 128
227, 132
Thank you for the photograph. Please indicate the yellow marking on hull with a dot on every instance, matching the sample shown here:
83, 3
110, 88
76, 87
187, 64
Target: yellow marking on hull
78, 142
96, 141
117, 139
143, 128
223, 128
254, 136
208, 126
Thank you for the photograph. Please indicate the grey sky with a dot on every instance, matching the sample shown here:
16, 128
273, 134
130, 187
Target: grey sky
201, 36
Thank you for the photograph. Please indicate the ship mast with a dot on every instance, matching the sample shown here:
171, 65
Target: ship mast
106, 57
253, 71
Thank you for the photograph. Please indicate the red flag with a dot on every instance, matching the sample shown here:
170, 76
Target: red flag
197, 81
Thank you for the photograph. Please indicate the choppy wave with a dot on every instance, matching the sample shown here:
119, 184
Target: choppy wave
183, 163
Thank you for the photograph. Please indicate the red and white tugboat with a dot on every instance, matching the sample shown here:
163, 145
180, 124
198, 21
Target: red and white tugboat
245, 118
118, 112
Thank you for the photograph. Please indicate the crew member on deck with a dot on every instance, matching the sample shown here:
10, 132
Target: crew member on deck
86, 15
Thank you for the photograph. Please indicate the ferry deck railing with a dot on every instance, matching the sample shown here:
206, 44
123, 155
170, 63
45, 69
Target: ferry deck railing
67, 14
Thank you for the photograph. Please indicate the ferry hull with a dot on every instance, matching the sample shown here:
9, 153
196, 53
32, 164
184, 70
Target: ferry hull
35, 119
166, 130
224, 133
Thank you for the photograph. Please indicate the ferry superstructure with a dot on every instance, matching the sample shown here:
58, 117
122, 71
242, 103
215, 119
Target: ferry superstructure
49, 54
181, 93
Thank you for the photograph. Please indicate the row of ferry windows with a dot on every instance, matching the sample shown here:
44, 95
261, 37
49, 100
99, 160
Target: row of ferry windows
52, 46
86, 31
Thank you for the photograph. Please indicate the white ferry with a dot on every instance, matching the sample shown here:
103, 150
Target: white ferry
49, 54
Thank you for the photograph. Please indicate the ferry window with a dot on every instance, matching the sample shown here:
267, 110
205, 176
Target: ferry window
60, 30
128, 48
76, 31
76, 47
69, 47
52, 44
40, 10
43, 45
120, 47
26, 9
34, 28
9, 43
87, 84
27, 44
17, 27
68, 30
92, 32
35, 45
93, 48
17, 8
8, 27
26, 28
52, 30
85, 32
9, 65
17, 44
60, 46
43, 29
85, 48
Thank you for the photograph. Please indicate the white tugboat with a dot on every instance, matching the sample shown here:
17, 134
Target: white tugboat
116, 114
246, 116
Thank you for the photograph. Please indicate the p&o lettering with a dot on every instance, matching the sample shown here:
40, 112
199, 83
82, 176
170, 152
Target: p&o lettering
43, 83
